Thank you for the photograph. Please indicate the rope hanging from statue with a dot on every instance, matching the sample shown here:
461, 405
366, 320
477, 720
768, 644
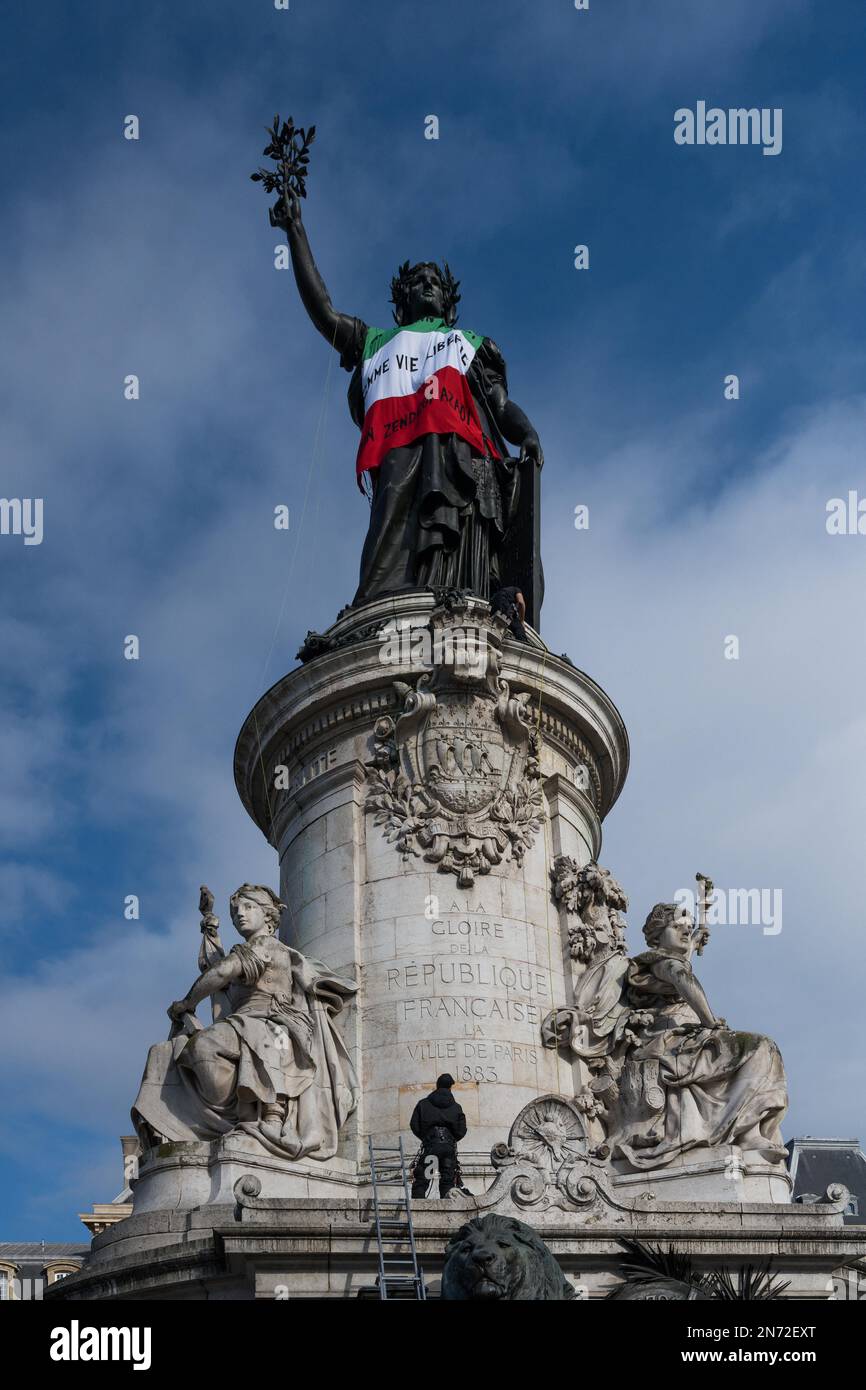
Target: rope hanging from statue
315, 459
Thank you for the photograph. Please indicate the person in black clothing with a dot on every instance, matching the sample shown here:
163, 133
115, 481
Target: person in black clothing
511, 603
438, 1121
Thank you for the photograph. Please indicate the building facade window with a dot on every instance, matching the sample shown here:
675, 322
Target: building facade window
53, 1272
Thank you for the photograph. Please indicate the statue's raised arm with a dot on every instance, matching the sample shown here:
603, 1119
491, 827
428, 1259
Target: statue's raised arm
337, 328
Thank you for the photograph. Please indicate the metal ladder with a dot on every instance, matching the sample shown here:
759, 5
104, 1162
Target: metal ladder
399, 1273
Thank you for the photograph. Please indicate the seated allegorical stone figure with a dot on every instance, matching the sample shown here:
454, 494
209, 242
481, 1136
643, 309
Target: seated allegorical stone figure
271, 1065
669, 1074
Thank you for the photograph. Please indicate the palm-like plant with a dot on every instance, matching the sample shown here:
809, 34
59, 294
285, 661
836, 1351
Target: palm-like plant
648, 1268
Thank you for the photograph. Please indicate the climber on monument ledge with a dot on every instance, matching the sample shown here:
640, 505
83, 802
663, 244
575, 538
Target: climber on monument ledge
439, 1122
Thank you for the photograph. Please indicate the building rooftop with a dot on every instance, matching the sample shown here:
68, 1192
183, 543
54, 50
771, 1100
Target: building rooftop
43, 1250
815, 1162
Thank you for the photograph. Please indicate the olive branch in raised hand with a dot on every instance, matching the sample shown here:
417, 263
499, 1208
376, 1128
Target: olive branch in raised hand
289, 147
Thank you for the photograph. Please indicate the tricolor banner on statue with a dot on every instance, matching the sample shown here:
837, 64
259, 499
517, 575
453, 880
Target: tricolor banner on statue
414, 382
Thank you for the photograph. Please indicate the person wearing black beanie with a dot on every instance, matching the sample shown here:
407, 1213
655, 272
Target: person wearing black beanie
439, 1122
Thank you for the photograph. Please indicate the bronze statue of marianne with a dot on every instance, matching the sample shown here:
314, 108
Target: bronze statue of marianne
449, 507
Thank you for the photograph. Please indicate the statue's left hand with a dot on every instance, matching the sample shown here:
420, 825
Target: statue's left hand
177, 1010
531, 449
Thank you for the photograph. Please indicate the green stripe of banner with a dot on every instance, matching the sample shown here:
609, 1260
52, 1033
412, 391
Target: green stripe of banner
378, 337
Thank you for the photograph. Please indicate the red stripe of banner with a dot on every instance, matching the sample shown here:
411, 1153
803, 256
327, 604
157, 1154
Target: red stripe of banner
400, 420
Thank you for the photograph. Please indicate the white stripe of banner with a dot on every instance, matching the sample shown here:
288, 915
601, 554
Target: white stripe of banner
404, 364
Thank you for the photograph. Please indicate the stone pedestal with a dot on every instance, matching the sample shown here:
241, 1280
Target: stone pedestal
276, 1249
723, 1174
420, 779
417, 789
183, 1177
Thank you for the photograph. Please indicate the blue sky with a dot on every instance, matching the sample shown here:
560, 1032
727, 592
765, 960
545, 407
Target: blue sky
707, 516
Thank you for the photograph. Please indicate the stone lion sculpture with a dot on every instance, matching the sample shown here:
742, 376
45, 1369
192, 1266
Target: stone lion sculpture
496, 1257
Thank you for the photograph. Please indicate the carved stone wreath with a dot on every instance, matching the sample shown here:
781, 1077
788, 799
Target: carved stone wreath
455, 777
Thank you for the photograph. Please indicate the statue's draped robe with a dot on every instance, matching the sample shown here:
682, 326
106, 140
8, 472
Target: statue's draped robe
439, 511
260, 1051
719, 1086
